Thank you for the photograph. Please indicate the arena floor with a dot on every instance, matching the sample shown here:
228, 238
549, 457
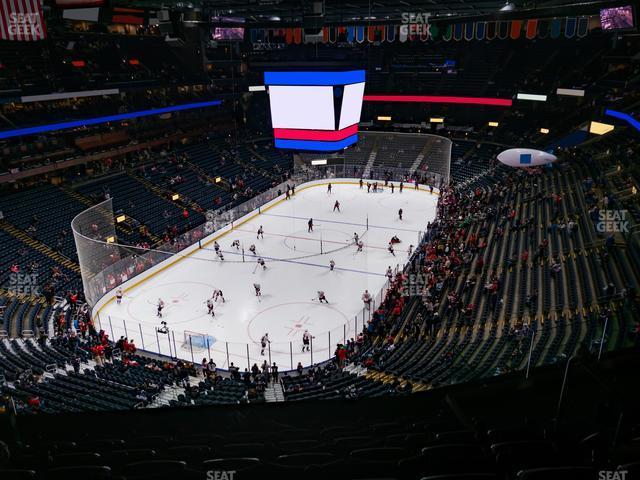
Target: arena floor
296, 270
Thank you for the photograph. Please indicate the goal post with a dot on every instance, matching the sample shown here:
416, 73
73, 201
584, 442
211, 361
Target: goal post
197, 342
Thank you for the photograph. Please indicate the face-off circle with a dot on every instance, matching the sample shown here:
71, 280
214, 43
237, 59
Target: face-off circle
296, 317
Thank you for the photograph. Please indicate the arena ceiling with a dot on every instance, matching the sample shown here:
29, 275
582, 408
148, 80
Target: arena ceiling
349, 10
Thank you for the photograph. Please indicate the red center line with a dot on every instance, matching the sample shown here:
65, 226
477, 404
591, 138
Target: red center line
307, 238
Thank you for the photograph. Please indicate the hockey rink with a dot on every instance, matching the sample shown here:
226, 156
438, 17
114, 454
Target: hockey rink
297, 264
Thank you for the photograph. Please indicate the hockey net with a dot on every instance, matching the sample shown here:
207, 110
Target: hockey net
196, 341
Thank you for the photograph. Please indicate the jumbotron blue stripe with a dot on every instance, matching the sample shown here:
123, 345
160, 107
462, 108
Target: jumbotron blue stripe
111, 118
315, 145
313, 78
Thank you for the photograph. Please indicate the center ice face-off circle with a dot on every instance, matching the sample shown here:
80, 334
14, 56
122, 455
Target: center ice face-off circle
303, 241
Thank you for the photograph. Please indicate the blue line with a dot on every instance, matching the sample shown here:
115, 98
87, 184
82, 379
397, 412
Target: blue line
624, 116
111, 118
315, 145
300, 263
314, 78
343, 223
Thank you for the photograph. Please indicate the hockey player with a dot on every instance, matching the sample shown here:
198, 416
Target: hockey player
236, 243
119, 296
360, 244
361, 184
217, 294
221, 256
356, 237
332, 265
400, 214
210, 304
306, 340
368, 187
336, 206
160, 307
260, 233
262, 264
256, 286
321, 297
366, 298
329, 189
389, 273
310, 225
390, 248
410, 250
400, 187
263, 342
287, 194
392, 187
216, 247
252, 249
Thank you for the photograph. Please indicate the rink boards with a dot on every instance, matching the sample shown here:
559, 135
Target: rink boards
296, 269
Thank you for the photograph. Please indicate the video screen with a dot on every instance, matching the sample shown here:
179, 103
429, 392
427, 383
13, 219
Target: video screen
616, 18
228, 33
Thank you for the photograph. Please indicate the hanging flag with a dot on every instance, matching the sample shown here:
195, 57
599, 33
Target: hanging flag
288, 37
360, 33
583, 26
351, 33
391, 33
404, 30
543, 28
333, 34
382, 32
516, 28
532, 29
253, 35
434, 31
448, 32
457, 31
22, 21
325, 34
424, 33
481, 28
570, 27
371, 34
555, 28
297, 36
491, 30
469, 28
503, 30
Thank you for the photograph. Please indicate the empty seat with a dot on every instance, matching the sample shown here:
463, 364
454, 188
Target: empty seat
305, 458
240, 464
81, 472
558, 473
17, 474
155, 467
74, 459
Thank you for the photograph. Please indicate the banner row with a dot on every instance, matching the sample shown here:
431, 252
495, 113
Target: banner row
568, 27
